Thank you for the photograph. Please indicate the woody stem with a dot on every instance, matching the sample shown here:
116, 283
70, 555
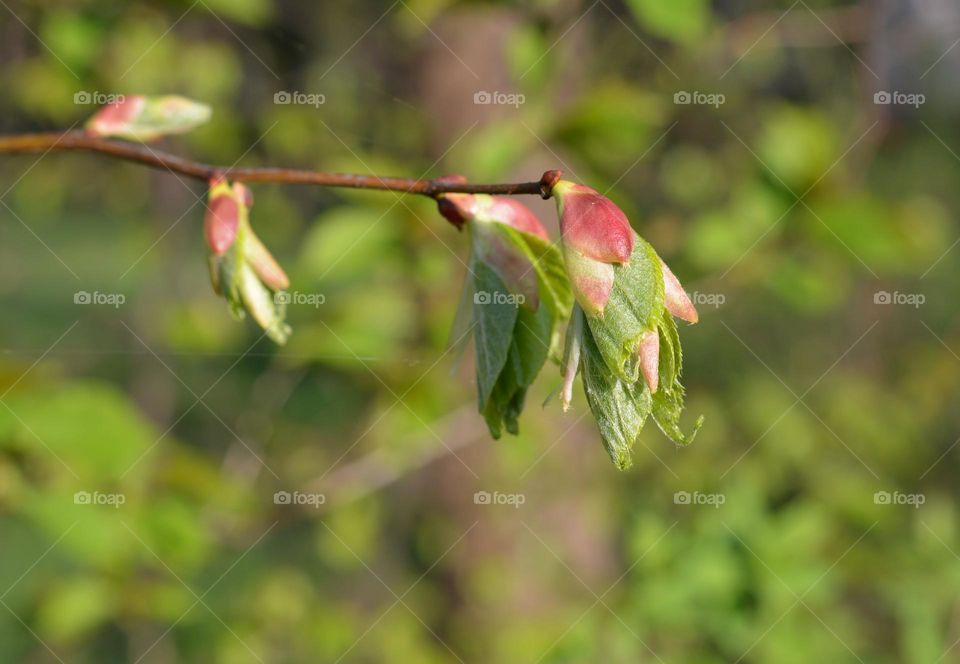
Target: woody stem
143, 154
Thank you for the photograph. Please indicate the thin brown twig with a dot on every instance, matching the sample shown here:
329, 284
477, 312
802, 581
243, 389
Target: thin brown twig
81, 140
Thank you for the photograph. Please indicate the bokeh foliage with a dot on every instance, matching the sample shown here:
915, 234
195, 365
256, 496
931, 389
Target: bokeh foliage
786, 209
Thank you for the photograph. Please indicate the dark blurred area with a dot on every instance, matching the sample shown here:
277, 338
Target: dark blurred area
175, 488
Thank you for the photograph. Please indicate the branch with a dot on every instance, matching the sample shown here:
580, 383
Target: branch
142, 154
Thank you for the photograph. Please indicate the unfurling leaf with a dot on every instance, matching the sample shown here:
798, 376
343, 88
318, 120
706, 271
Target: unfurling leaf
519, 296
622, 338
242, 270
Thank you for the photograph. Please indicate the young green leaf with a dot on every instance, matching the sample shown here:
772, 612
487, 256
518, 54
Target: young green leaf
634, 307
619, 407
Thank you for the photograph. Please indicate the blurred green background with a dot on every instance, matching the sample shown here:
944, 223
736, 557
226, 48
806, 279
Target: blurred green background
142, 445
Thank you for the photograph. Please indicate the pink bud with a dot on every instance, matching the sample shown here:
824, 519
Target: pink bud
222, 217
116, 116
592, 224
590, 280
675, 298
649, 352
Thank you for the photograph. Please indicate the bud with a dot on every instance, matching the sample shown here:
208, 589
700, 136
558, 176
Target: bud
596, 235
222, 217
140, 118
675, 299
592, 224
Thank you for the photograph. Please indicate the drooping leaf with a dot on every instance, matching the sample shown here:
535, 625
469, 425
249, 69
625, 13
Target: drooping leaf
554, 288
495, 318
506, 399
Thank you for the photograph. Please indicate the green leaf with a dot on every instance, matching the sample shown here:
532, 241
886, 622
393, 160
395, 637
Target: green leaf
635, 305
495, 316
667, 407
671, 355
268, 311
530, 337
528, 353
668, 399
506, 399
620, 408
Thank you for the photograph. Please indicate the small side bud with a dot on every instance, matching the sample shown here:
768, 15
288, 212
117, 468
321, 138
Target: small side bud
547, 181
675, 299
649, 351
